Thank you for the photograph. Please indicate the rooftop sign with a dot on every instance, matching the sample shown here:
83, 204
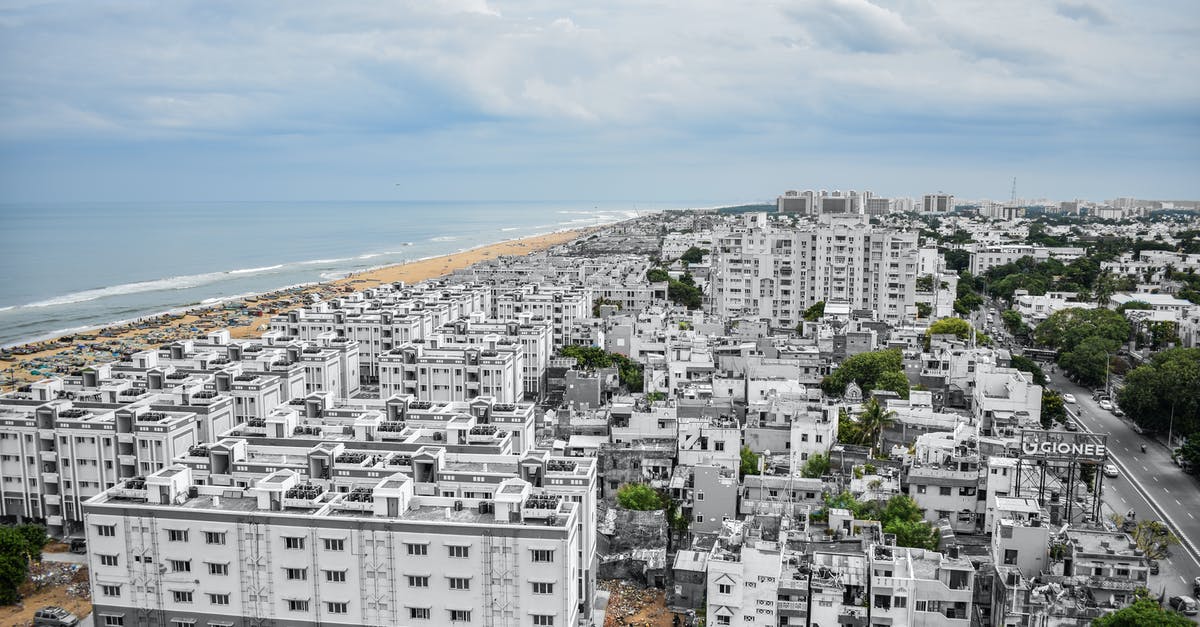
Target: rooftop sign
1064, 445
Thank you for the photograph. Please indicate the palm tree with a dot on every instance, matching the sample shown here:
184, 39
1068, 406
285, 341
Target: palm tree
874, 420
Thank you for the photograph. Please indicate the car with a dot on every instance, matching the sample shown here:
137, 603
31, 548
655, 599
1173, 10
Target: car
54, 616
1110, 470
1069, 398
1184, 605
1153, 567
78, 545
1196, 586
1138, 429
1071, 426
1106, 404
1116, 411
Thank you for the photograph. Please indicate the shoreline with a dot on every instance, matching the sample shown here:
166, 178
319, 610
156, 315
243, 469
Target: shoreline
246, 315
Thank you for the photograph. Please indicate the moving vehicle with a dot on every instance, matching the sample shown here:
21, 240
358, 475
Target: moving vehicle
1116, 411
1196, 586
1106, 404
1071, 426
54, 616
1069, 398
1110, 470
1153, 567
1185, 605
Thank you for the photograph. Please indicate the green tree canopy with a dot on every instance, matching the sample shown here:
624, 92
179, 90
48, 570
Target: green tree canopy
18, 546
639, 497
657, 275
1167, 385
865, 369
1067, 328
1141, 613
1053, 409
1087, 363
749, 462
816, 466
693, 255
1025, 364
900, 515
815, 311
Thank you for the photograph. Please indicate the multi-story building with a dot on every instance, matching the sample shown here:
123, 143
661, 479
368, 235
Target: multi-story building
561, 306
937, 203
775, 273
984, 258
164, 551
535, 338
743, 576
454, 372
919, 587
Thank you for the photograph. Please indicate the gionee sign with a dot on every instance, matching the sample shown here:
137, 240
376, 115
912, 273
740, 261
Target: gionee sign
1063, 445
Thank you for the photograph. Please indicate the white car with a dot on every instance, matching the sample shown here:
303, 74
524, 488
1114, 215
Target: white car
1110, 470
1069, 398
1106, 404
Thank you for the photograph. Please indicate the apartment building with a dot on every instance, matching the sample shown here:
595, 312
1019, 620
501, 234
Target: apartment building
562, 306
743, 576
454, 372
57, 453
984, 258
164, 551
775, 272
944, 478
920, 588
535, 337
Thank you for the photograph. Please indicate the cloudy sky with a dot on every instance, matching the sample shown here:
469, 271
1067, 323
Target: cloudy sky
689, 100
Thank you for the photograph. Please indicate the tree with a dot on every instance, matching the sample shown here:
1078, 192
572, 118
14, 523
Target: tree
925, 283
816, 466
18, 546
948, 326
1190, 451
657, 275
749, 462
924, 310
1142, 612
1013, 322
1053, 409
815, 311
694, 255
850, 431
1025, 364
1168, 385
894, 382
874, 420
957, 260
865, 369
1087, 363
639, 497
1067, 328
1153, 538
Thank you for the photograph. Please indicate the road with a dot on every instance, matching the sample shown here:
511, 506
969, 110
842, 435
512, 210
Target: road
1150, 484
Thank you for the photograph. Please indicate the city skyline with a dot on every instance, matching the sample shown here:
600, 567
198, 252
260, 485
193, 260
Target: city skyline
475, 100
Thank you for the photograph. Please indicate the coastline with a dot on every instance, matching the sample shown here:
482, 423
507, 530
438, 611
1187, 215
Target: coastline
246, 316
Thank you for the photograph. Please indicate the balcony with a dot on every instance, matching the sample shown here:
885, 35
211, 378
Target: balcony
49, 477
48, 456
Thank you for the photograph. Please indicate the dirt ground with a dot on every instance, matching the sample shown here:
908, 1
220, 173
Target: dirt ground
60, 585
631, 605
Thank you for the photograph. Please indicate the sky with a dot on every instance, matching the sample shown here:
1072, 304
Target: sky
697, 101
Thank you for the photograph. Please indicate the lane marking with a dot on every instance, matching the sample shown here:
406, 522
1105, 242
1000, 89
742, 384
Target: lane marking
1190, 516
1167, 490
1178, 503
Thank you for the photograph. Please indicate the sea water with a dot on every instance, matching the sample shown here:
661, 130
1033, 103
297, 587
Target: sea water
72, 266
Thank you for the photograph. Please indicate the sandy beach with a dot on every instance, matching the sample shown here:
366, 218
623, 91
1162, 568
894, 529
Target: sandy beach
246, 317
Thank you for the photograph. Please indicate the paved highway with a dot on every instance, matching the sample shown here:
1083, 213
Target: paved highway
1150, 484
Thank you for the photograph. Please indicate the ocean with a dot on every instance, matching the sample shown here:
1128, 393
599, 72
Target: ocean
74, 266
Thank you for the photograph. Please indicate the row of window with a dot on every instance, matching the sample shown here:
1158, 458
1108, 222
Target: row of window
336, 607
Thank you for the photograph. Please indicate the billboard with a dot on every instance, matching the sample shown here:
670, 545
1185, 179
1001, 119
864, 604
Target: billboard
1064, 445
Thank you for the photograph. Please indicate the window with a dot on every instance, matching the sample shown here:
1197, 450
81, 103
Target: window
183, 622
335, 544
297, 574
460, 583
944, 490
293, 543
900, 602
545, 620
336, 576
106, 530
297, 606
417, 549
543, 555
113, 621
718, 446
543, 587
418, 581
1010, 556
920, 606
722, 620
337, 607
177, 535
459, 551
218, 569
181, 566
218, 599
182, 596
920, 489
110, 591
214, 537
418, 613
460, 616
108, 560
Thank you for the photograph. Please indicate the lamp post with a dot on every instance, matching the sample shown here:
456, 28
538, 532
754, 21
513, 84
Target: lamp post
1171, 429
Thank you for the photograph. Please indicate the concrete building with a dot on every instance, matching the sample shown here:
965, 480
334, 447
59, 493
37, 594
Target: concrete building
454, 372
984, 258
937, 203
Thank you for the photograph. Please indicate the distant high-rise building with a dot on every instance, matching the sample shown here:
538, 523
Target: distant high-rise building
937, 203
876, 206
795, 202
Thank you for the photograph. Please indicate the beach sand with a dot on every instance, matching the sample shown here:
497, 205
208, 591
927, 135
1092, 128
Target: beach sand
58, 355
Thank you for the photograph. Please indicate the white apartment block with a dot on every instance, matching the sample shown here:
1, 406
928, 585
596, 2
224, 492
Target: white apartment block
775, 273
1036, 308
454, 372
1004, 400
919, 588
743, 578
535, 337
937, 203
984, 258
562, 307
56, 454
166, 552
